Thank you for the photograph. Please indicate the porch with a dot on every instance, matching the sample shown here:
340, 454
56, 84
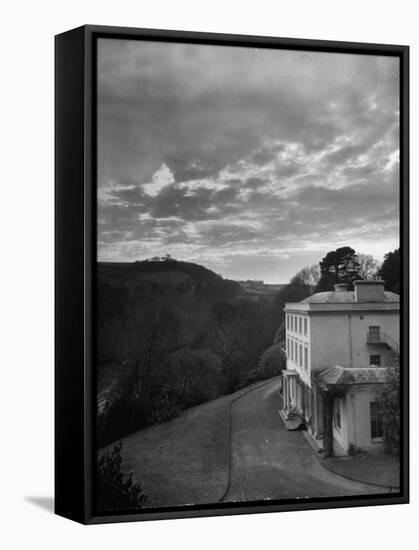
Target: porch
352, 422
296, 410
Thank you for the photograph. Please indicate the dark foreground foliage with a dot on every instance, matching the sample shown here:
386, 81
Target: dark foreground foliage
114, 491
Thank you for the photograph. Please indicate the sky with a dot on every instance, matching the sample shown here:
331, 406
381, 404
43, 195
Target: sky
251, 162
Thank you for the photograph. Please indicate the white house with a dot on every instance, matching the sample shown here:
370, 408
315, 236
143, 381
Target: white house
338, 344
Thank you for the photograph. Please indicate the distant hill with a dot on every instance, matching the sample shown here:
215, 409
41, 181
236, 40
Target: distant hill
166, 273
259, 289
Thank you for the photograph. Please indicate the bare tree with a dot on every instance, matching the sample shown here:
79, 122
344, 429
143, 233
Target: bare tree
225, 337
194, 375
150, 334
309, 276
238, 333
368, 266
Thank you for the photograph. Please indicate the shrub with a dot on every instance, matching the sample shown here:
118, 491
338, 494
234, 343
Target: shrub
272, 361
389, 400
114, 491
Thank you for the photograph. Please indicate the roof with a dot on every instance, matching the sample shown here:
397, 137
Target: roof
341, 297
347, 376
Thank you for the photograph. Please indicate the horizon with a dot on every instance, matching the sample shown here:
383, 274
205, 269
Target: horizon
162, 260
254, 163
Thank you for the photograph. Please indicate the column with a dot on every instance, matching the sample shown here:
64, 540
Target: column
285, 406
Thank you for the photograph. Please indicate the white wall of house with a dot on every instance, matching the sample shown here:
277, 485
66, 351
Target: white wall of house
355, 417
360, 400
322, 335
341, 339
298, 345
337, 338
389, 324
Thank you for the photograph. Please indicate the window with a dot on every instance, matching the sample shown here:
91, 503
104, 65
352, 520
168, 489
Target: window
376, 419
305, 327
295, 352
337, 414
375, 360
306, 358
292, 322
288, 322
300, 355
374, 334
300, 329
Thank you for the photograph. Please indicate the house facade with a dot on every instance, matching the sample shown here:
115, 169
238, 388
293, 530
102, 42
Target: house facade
338, 345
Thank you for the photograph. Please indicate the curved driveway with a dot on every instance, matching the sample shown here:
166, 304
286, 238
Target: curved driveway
230, 449
270, 462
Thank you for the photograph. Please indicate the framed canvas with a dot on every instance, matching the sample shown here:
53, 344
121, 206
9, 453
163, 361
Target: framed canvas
231, 274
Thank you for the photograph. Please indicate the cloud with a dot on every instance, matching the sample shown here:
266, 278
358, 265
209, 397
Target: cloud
343, 154
213, 153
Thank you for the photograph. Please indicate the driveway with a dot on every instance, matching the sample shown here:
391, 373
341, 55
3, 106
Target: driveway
231, 449
268, 461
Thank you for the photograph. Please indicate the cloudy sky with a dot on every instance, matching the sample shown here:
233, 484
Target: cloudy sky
252, 162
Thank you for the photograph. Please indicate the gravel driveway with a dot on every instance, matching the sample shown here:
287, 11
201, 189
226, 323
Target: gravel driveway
234, 448
268, 461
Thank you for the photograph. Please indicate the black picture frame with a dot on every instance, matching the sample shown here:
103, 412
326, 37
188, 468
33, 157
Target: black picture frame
75, 258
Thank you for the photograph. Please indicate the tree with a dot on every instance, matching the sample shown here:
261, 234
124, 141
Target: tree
193, 376
153, 331
150, 331
225, 337
338, 266
272, 362
390, 270
295, 291
238, 333
309, 276
368, 267
389, 401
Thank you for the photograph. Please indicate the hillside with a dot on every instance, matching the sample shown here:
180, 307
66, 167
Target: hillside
184, 277
172, 335
259, 289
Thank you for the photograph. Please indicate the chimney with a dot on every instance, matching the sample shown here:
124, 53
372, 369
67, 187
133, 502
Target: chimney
369, 291
341, 287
